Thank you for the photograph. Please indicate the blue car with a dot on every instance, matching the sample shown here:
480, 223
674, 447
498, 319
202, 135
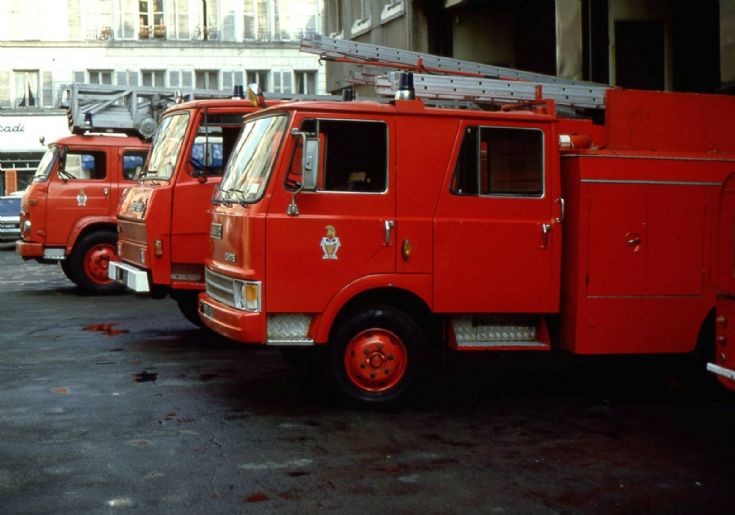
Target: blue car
10, 219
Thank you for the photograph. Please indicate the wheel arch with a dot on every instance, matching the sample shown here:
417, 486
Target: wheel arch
411, 296
88, 225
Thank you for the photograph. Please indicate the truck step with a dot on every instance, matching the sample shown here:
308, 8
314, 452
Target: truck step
499, 332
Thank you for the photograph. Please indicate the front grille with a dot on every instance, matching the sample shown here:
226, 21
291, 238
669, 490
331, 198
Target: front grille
133, 231
220, 287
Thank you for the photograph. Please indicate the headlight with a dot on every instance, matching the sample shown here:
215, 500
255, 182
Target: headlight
26, 228
247, 295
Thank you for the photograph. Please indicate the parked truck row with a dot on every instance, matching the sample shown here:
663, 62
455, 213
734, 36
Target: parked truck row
366, 236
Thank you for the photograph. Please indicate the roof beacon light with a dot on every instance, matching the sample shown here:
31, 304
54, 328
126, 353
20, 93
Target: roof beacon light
255, 95
348, 94
88, 125
238, 92
405, 87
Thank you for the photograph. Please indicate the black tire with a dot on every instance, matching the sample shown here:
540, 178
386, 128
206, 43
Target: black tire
89, 261
188, 303
66, 268
377, 356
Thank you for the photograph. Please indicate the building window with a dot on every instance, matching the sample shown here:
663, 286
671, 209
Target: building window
154, 78
305, 82
124, 13
334, 18
206, 79
100, 76
362, 20
230, 79
259, 77
180, 79
26, 88
150, 16
282, 82
127, 78
391, 9
177, 20
256, 21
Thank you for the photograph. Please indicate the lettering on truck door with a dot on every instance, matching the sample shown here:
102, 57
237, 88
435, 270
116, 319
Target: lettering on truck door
344, 229
496, 248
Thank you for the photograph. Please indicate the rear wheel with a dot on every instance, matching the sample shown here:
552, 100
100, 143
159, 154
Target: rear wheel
376, 356
89, 261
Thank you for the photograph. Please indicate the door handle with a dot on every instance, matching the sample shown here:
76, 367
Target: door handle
389, 224
562, 210
106, 192
545, 230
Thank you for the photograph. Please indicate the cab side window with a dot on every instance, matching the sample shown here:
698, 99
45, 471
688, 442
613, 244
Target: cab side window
85, 166
133, 161
496, 161
354, 156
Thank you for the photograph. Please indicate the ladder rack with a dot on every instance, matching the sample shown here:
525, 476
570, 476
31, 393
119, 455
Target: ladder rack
493, 82
127, 109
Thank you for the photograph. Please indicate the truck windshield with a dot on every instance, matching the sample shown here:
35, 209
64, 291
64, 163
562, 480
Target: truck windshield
46, 164
251, 161
166, 146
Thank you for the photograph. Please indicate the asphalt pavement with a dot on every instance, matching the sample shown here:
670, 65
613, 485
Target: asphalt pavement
116, 404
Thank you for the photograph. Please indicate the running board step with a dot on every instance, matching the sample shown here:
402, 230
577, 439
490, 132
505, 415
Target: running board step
500, 332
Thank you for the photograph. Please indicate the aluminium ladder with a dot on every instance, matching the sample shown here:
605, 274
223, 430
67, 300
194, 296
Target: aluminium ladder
448, 78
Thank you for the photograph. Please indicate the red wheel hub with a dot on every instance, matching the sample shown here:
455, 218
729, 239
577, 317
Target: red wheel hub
97, 261
375, 360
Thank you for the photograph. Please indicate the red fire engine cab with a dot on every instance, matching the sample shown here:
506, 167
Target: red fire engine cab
162, 222
68, 210
379, 233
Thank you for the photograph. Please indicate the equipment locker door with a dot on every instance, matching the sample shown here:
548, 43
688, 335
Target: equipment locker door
344, 230
496, 248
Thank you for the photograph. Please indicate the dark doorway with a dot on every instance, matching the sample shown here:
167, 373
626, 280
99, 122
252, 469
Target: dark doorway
639, 54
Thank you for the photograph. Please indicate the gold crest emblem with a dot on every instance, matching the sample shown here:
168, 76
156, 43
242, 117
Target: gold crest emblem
330, 243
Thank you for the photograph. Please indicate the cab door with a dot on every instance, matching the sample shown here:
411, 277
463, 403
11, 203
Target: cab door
497, 240
80, 187
344, 231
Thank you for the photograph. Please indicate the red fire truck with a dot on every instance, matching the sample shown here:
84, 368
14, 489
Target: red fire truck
69, 209
378, 233
162, 222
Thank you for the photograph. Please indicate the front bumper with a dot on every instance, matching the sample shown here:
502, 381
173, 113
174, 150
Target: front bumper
130, 276
242, 326
29, 250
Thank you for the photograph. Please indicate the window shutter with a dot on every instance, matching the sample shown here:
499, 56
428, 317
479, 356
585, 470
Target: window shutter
5, 89
48, 89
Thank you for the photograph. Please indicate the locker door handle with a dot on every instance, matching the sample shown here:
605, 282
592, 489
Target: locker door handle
389, 224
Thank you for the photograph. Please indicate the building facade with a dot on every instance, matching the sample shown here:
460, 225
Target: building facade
208, 44
646, 44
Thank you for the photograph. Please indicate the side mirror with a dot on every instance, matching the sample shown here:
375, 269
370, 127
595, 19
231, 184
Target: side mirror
310, 163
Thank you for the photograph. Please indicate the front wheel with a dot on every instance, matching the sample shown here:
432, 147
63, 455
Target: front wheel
89, 261
376, 356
